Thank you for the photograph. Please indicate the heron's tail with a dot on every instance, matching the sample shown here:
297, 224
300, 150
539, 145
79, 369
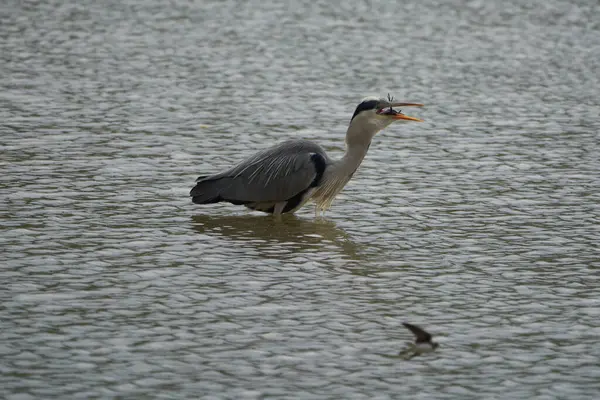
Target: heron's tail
209, 190
206, 191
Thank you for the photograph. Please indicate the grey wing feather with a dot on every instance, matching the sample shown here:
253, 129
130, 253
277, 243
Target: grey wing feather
275, 174
420, 334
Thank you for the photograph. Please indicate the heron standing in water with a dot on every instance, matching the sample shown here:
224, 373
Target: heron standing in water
282, 178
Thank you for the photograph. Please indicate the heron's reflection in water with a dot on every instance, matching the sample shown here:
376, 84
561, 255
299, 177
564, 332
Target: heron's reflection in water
291, 232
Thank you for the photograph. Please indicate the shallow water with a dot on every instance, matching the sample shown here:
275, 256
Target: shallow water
480, 224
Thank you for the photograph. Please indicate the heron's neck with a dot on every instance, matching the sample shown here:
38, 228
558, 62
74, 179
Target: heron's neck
358, 139
357, 145
353, 157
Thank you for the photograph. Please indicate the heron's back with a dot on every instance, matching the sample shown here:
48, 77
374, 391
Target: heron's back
277, 178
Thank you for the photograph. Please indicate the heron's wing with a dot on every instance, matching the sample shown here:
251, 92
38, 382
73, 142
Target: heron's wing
420, 334
275, 174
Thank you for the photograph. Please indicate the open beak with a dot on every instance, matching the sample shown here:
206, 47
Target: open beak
399, 115
406, 117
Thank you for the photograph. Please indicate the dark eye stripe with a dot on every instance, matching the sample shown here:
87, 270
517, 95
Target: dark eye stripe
365, 105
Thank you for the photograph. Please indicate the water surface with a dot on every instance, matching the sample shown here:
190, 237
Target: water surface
480, 224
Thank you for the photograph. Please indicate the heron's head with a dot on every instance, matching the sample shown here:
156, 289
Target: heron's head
382, 111
373, 115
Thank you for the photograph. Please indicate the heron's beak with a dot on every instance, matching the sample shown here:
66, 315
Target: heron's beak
406, 105
406, 117
399, 115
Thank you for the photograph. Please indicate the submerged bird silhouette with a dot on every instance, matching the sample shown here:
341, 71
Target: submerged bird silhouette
423, 342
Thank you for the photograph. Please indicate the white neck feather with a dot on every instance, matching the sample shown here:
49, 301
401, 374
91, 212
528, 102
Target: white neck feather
361, 131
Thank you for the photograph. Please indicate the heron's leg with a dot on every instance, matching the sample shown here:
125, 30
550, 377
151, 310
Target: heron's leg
278, 208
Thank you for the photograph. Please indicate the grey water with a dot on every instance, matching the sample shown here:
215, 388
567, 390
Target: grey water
481, 224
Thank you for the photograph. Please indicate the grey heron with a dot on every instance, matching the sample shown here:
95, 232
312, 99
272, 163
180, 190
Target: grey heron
282, 178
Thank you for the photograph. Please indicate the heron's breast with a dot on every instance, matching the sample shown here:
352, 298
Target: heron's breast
330, 186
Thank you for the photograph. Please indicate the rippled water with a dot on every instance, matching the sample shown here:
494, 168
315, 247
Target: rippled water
481, 224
